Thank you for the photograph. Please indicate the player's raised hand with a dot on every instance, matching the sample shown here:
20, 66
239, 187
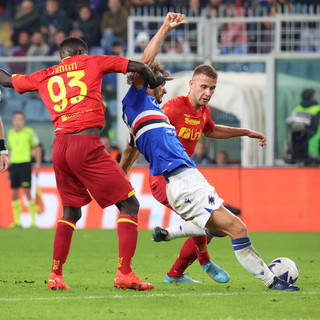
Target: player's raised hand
258, 135
172, 20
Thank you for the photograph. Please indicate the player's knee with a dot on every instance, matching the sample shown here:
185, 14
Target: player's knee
129, 206
241, 228
72, 213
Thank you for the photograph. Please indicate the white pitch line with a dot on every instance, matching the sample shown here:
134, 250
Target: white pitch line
156, 295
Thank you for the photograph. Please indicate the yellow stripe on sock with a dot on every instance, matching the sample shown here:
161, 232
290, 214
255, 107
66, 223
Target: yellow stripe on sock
126, 220
69, 223
131, 193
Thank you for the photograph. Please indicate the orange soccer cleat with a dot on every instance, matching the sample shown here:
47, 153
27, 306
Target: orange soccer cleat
56, 282
131, 281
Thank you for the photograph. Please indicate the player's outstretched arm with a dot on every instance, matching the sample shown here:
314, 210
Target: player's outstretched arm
146, 74
225, 132
5, 79
171, 21
128, 158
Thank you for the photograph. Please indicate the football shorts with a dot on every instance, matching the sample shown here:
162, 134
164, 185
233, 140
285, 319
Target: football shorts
20, 175
83, 167
191, 196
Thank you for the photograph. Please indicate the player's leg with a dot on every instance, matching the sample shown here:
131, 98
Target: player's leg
127, 237
31, 206
16, 203
16, 208
108, 185
73, 196
62, 242
193, 248
223, 221
186, 257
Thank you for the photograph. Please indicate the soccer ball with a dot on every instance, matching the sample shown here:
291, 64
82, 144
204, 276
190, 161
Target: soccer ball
285, 269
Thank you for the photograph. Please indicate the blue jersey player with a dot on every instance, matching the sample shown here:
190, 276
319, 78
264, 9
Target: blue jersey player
188, 192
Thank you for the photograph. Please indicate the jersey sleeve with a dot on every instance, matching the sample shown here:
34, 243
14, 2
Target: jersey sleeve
112, 64
34, 140
169, 110
25, 83
210, 125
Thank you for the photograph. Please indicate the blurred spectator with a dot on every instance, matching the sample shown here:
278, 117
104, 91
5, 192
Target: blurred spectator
222, 158
200, 156
109, 81
177, 4
58, 38
212, 9
20, 51
142, 40
113, 150
114, 26
261, 36
28, 21
37, 48
194, 8
54, 20
86, 26
234, 37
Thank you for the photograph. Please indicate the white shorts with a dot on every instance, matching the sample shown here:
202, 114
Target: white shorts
191, 196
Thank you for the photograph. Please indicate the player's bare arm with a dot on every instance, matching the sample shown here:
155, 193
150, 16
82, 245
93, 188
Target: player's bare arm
129, 156
145, 74
225, 132
5, 79
171, 21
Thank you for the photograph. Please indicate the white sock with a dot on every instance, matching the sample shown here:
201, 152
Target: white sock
251, 261
187, 229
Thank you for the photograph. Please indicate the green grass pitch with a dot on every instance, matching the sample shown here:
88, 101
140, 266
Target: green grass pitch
25, 261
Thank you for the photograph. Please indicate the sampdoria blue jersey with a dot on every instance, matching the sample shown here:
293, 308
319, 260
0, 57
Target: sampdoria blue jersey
152, 133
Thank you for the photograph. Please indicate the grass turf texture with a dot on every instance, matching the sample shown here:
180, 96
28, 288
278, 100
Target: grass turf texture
25, 264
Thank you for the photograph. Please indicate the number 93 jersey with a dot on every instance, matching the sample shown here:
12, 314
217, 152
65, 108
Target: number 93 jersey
71, 90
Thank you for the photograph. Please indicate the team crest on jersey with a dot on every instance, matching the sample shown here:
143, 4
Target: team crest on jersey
211, 200
204, 117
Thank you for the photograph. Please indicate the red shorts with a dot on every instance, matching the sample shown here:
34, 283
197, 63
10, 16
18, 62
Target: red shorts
158, 189
82, 164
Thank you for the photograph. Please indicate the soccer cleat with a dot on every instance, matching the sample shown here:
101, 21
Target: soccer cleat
216, 273
181, 279
160, 234
279, 284
131, 281
56, 282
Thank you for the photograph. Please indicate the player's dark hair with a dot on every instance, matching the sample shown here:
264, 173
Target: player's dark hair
155, 67
72, 44
206, 69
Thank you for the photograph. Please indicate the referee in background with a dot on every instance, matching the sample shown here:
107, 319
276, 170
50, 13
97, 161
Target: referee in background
23, 144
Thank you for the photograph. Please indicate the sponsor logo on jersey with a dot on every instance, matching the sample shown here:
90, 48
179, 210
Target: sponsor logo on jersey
190, 134
192, 122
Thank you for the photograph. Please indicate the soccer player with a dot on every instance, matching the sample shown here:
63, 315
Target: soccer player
4, 162
22, 143
72, 93
188, 192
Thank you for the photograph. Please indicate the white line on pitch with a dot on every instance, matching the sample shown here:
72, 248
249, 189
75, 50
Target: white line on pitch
152, 296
